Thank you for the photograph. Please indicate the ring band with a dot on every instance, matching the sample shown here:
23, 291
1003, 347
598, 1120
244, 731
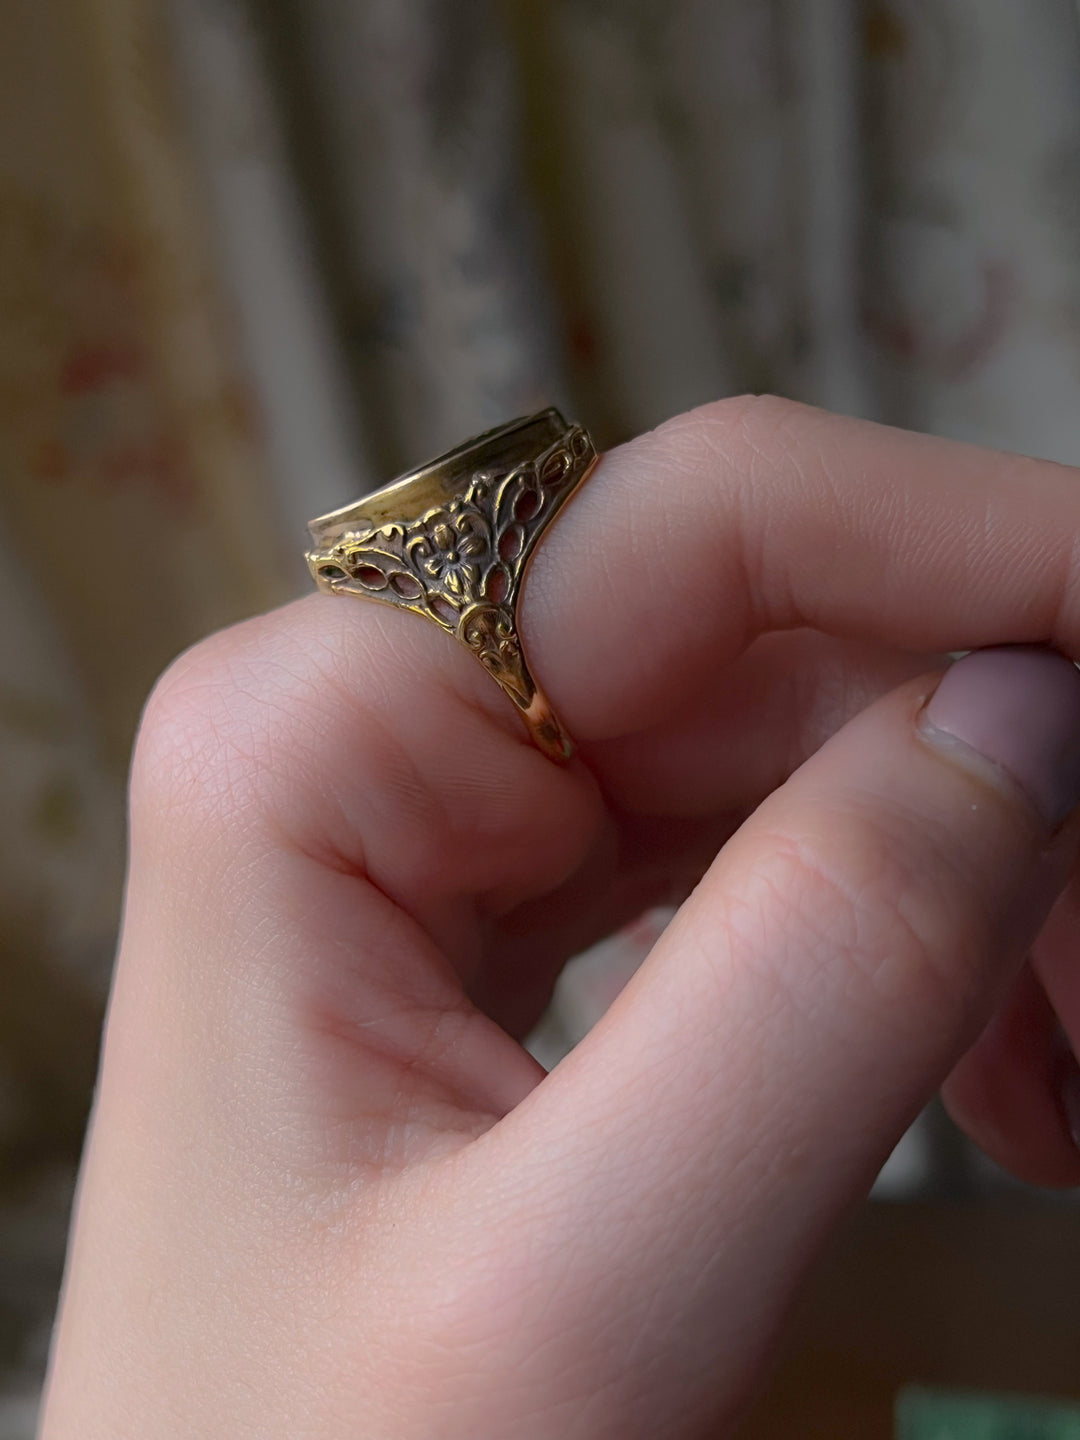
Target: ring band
452, 540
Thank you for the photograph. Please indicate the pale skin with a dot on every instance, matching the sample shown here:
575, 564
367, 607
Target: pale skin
328, 1194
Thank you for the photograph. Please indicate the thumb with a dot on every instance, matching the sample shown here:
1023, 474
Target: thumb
665, 1187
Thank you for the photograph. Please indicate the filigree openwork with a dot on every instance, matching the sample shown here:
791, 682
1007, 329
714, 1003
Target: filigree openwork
460, 563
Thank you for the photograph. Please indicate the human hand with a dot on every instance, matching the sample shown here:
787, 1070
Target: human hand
328, 1194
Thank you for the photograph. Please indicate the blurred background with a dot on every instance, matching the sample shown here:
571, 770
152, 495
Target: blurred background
257, 256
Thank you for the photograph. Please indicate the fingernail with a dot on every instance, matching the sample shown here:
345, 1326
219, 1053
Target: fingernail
1069, 1091
1017, 706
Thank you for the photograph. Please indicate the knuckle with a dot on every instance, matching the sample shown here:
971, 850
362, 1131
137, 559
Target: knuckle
775, 428
761, 424
761, 454
240, 733
201, 740
718, 433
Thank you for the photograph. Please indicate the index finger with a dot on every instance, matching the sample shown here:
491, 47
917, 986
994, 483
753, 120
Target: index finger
756, 514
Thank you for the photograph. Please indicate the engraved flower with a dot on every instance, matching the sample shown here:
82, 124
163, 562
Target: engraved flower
451, 560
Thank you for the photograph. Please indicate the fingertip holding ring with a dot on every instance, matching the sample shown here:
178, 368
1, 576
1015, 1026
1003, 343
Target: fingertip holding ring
1018, 707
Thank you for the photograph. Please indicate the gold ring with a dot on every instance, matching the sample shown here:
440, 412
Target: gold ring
451, 541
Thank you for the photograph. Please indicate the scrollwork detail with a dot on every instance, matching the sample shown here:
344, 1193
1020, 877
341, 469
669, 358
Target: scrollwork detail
490, 633
469, 552
460, 562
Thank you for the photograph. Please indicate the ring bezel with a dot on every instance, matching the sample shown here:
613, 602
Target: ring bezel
451, 540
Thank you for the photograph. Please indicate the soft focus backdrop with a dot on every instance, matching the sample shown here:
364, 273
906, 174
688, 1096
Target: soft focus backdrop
257, 257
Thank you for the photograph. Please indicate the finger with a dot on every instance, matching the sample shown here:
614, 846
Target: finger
309, 716
1006, 1091
1017, 1093
644, 1214
758, 721
1055, 957
289, 761
757, 514
755, 720
1056, 960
